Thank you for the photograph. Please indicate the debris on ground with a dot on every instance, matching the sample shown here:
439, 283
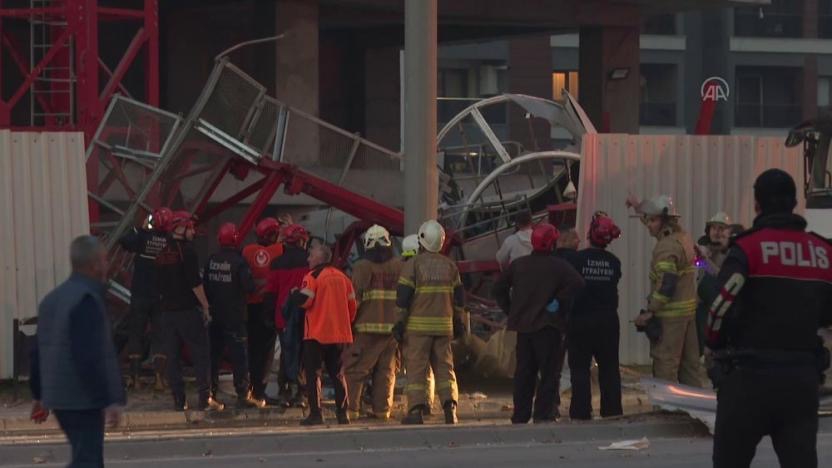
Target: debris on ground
640, 444
478, 396
698, 403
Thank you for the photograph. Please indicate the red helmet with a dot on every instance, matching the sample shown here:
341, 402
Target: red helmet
179, 219
295, 234
544, 237
228, 235
161, 218
266, 227
603, 230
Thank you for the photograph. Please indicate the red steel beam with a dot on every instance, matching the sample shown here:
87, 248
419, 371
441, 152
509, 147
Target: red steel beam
110, 75
151, 72
126, 60
273, 182
17, 58
53, 51
108, 13
234, 199
215, 182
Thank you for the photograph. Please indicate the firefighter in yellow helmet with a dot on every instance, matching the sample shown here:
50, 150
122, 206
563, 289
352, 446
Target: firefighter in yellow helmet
430, 298
670, 320
410, 248
374, 351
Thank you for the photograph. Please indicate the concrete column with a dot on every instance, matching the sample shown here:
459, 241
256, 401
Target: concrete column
612, 105
382, 92
297, 76
421, 176
530, 72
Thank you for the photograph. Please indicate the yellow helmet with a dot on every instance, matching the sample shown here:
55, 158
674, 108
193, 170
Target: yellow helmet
410, 246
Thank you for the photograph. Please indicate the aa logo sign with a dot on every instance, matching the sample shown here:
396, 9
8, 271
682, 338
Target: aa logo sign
715, 89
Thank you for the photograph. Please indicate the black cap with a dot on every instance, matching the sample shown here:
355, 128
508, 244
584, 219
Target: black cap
775, 192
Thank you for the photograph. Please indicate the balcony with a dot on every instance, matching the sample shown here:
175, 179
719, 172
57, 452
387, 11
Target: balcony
657, 114
749, 24
767, 116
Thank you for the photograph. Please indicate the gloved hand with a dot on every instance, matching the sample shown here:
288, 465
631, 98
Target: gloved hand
459, 328
553, 307
398, 331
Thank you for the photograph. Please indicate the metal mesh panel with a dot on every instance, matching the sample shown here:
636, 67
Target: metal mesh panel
232, 100
135, 126
262, 133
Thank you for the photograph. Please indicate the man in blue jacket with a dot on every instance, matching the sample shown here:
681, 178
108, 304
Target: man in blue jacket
75, 372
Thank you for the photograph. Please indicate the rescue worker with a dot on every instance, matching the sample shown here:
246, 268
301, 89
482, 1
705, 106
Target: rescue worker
374, 351
672, 300
227, 279
262, 334
287, 273
593, 326
431, 300
710, 244
146, 242
518, 244
182, 295
775, 293
567, 246
530, 292
329, 299
410, 248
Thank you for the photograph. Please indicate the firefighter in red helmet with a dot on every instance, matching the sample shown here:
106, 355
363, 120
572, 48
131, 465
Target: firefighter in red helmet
262, 334
593, 325
535, 291
228, 281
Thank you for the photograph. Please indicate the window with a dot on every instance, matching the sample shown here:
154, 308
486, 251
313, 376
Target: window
768, 97
658, 95
462, 85
825, 18
783, 18
661, 24
564, 80
823, 92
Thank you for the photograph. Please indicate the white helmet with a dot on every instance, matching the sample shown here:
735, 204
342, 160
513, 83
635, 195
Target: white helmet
720, 218
431, 236
661, 205
410, 246
376, 235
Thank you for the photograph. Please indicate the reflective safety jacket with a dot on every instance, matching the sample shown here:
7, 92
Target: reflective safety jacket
329, 304
429, 295
673, 276
375, 288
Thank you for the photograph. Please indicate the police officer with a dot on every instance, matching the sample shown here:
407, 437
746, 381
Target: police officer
182, 297
431, 301
146, 242
775, 293
374, 351
593, 326
227, 278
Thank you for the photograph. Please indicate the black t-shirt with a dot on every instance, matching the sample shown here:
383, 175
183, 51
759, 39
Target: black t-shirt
146, 245
228, 281
177, 275
598, 300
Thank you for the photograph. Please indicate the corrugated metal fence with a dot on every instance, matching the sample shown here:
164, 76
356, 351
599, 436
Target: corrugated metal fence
703, 174
43, 201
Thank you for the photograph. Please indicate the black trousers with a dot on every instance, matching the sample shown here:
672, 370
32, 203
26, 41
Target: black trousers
537, 353
262, 337
234, 338
781, 403
315, 354
600, 342
188, 327
142, 312
85, 431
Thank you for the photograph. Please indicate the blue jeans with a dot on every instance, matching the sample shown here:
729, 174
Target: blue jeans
85, 431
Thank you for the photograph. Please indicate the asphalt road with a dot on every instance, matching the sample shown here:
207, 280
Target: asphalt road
674, 443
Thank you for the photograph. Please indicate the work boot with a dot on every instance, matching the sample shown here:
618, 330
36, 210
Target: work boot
415, 415
343, 417
248, 400
211, 404
135, 372
450, 412
314, 419
180, 403
159, 364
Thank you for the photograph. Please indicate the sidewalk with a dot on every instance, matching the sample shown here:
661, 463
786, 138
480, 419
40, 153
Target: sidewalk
486, 401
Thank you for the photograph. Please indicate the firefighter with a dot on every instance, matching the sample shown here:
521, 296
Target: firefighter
710, 245
182, 297
775, 293
287, 273
431, 300
374, 351
530, 292
146, 242
228, 280
410, 248
329, 299
593, 326
262, 334
671, 306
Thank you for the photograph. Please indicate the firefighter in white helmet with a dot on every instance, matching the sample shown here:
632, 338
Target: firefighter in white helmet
410, 248
374, 351
431, 299
710, 244
671, 307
